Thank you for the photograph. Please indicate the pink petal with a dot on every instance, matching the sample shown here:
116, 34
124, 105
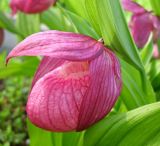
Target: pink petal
141, 26
31, 6
132, 6
76, 94
57, 44
103, 91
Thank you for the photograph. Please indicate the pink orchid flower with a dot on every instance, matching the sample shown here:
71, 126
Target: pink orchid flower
31, 6
142, 23
77, 82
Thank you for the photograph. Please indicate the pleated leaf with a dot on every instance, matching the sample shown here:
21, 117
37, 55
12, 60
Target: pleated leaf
73, 139
133, 94
8, 24
156, 82
155, 6
139, 127
76, 7
80, 24
147, 53
155, 75
17, 67
40, 137
91, 9
114, 29
54, 19
28, 24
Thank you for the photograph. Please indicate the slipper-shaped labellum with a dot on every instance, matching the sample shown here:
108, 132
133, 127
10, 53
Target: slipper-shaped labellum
142, 22
77, 82
31, 6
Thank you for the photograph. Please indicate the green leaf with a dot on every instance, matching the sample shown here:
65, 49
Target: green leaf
155, 6
154, 69
39, 137
57, 139
139, 127
76, 7
156, 82
4, 5
133, 94
91, 9
28, 24
73, 139
80, 24
17, 67
119, 107
146, 4
114, 29
55, 20
147, 52
7, 23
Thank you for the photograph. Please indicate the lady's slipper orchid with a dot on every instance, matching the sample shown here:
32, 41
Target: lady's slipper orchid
77, 82
142, 23
31, 6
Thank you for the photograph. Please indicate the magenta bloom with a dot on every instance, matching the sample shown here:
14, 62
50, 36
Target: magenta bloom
77, 82
31, 6
142, 23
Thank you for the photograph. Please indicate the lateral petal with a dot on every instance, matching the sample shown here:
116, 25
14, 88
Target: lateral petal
132, 6
57, 44
103, 91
